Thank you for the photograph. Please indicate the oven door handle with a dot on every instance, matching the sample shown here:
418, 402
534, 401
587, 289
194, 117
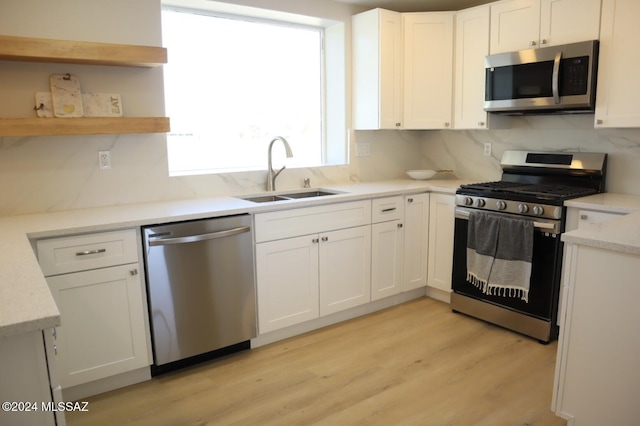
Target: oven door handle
464, 214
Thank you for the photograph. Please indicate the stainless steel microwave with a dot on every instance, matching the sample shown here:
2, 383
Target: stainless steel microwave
560, 79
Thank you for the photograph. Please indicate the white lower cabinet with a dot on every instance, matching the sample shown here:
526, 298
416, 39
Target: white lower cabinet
345, 269
102, 309
441, 227
311, 262
25, 373
387, 239
387, 247
102, 332
288, 291
416, 241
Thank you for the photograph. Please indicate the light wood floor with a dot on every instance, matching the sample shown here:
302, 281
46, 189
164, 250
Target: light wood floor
414, 364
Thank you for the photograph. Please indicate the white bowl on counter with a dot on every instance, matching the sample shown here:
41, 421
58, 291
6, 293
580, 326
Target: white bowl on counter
425, 174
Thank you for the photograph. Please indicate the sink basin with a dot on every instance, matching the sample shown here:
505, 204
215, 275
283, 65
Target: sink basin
308, 194
289, 196
265, 198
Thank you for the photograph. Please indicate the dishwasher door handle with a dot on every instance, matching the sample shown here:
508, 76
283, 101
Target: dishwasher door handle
200, 237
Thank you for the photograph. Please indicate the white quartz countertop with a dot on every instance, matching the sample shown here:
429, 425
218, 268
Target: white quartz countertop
26, 304
620, 234
607, 202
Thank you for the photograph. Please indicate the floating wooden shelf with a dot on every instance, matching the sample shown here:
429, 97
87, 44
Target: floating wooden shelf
29, 49
82, 126
79, 52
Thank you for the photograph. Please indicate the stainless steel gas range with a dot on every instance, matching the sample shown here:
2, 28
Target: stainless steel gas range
511, 228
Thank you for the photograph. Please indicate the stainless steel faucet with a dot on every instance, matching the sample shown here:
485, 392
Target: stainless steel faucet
272, 174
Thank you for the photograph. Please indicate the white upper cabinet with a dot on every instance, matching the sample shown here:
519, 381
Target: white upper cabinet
377, 70
428, 70
569, 21
618, 91
472, 45
390, 92
527, 24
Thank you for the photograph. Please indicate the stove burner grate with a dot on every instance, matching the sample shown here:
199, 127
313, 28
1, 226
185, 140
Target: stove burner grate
546, 191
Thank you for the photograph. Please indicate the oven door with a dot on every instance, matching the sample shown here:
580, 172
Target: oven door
545, 270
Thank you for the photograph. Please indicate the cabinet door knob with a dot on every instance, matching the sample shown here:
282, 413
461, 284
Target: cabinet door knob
133, 272
599, 121
315, 240
481, 123
398, 124
325, 238
55, 349
446, 124
543, 41
399, 225
409, 200
533, 43
583, 217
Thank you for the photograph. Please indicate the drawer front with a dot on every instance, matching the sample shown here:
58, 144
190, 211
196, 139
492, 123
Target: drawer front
385, 209
84, 252
589, 219
311, 220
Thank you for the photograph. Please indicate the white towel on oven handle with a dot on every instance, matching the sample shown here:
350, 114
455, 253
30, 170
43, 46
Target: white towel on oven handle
499, 254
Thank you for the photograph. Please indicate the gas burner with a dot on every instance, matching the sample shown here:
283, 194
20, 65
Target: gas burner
492, 186
557, 191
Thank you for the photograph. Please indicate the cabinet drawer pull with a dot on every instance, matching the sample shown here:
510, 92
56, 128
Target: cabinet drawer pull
88, 252
390, 209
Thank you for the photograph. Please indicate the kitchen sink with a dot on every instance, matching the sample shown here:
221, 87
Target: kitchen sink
290, 196
308, 194
265, 198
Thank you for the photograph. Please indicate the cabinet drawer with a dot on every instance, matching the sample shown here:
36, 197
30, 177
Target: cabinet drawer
589, 218
311, 220
84, 252
385, 209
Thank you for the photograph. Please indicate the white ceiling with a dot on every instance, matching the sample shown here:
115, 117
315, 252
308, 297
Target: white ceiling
416, 5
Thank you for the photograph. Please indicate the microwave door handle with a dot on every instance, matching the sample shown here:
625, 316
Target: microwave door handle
555, 78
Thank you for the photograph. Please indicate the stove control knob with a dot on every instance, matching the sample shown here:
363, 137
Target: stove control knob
523, 208
468, 201
501, 205
480, 202
538, 210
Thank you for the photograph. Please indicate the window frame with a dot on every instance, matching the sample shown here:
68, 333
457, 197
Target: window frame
334, 142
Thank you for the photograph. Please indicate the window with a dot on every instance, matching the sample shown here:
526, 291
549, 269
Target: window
233, 83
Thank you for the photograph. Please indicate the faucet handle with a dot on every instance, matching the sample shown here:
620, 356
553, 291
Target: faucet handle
278, 172
307, 183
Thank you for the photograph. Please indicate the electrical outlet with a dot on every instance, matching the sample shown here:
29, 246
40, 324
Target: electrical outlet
487, 149
104, 160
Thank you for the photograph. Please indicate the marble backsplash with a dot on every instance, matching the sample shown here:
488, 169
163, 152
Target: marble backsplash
463, 150
42, 174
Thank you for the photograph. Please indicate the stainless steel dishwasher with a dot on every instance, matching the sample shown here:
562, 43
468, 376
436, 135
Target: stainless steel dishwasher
200, 279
